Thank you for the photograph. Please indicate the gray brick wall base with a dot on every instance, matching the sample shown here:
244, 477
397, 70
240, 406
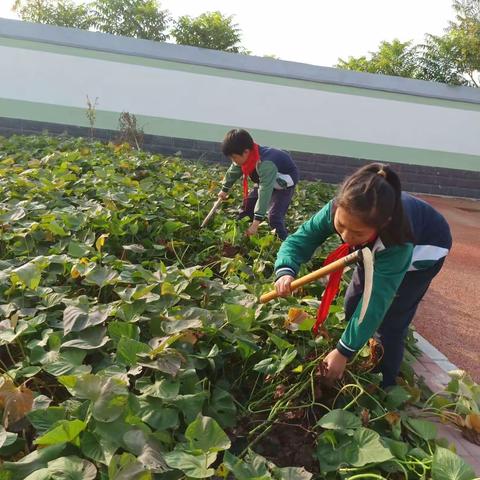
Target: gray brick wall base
312, 166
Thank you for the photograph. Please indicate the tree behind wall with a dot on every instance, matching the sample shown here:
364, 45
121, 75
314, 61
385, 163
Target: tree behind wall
132, 18
135, 18
63, 13
209, 30
452, 58
392, 58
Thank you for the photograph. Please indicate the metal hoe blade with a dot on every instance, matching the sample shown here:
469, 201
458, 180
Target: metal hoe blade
367, 257
211, 212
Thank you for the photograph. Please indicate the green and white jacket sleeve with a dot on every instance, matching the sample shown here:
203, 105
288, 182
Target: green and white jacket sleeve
299, 247
267, 174
390, 266
233, 174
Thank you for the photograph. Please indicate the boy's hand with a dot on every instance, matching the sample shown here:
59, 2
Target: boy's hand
282, 285
222, 195
253, 228
336, 363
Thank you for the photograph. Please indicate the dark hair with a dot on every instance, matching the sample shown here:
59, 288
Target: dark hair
374, 194
236, 141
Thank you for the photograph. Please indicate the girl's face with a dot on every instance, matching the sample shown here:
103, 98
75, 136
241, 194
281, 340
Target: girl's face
352, 230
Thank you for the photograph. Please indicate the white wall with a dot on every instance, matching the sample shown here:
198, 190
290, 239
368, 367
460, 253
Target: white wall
52, 78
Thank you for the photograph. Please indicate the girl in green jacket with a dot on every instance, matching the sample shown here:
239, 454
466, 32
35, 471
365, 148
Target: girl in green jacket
409, 240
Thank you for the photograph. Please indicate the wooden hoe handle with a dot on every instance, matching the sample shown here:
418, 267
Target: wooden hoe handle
321, 272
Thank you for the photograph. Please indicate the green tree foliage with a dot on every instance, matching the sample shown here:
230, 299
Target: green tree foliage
395, 58
64, 13
455, 57
438, 60
136, 18
132, 18
208, 30
452, 58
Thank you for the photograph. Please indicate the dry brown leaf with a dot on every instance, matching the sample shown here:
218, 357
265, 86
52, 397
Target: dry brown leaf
297, 315
16, 402
472, 421
392, 418
190, 337
376, 351
365, 416
294, 318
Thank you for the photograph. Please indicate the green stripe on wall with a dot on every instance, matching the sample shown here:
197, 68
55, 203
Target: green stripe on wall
211, 132
226, 73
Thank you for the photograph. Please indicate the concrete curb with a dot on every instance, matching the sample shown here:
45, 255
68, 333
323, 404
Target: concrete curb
434, 354
434, 366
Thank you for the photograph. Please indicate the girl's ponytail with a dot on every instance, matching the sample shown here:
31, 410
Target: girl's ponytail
398, 229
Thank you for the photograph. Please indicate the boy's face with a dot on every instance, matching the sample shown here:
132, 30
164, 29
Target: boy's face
240, 159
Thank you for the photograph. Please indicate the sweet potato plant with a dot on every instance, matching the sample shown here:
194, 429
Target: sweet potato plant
133, 346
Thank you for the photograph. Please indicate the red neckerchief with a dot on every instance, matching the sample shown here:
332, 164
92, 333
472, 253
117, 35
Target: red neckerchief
332, 287
333, 284
248, 167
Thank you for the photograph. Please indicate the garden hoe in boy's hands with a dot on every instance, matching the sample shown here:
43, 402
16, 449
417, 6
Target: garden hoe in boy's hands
211, 212
364, 255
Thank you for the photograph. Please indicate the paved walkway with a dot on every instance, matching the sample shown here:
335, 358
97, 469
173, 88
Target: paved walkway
432, 366
449, 315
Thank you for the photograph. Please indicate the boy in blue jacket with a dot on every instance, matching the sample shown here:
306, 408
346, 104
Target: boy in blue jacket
273, 173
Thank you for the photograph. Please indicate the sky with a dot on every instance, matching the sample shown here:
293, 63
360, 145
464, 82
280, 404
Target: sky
317, 31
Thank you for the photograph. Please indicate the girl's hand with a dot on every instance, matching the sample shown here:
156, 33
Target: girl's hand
282, 285
336, 363
222, 195
253, 228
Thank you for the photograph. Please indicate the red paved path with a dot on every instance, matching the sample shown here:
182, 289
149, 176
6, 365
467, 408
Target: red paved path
449, 315
436, 379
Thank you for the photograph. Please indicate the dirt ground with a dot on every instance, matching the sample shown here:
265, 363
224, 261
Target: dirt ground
449, 315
